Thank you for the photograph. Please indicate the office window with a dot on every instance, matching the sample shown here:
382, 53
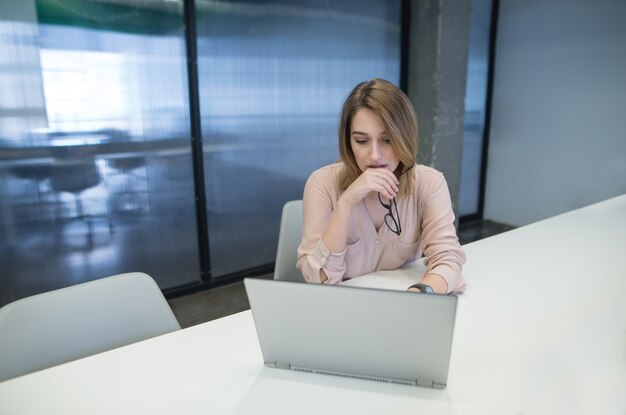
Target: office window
95, 159
273, 77
475, 106
96, 172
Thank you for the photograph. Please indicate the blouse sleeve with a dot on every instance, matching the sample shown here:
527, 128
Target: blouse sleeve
312, 253
442, 251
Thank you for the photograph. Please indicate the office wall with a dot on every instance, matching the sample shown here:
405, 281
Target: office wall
558, 127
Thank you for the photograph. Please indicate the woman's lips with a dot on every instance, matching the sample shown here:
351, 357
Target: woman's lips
377, 166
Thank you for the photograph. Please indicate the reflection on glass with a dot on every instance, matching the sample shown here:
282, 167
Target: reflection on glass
272, 80
475, 101
95, 161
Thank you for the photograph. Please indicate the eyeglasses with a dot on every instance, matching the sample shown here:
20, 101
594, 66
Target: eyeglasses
392, 223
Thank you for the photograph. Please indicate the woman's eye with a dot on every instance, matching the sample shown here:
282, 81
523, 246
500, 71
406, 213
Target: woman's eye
386, 141
361, 141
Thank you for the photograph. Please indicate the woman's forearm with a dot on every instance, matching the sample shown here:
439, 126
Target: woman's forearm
336, 233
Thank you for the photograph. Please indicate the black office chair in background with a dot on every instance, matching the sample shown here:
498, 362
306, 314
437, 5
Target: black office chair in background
75, 177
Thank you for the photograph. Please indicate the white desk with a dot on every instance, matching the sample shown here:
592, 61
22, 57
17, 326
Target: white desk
540, 330
396, 279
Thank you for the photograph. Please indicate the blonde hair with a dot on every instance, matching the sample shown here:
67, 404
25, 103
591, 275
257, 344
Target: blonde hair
398, 116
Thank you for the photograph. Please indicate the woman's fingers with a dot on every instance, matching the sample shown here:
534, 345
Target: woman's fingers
387, 176
379, 180
388, 192
386, 179
384, 188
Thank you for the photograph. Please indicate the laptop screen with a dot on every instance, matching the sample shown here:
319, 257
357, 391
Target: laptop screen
391, 336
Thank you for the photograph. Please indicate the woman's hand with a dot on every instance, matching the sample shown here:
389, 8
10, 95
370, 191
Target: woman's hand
371, 180
436, 282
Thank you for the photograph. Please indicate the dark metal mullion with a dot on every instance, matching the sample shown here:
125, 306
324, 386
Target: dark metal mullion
196, 138
405, 28
495, 6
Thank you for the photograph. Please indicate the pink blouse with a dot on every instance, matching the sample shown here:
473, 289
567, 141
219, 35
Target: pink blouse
427, 222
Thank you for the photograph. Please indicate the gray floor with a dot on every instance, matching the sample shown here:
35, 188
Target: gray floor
229, 299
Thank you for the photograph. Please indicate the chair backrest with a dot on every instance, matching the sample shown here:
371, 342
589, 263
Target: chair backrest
67, 324
289, 239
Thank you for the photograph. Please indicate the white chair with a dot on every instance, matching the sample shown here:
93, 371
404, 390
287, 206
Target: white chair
67, 324
289, 239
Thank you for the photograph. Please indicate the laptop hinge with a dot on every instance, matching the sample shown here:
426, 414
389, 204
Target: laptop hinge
278, 365
430, 384
425, 383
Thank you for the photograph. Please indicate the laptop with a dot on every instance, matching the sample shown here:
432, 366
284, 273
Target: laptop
382, 335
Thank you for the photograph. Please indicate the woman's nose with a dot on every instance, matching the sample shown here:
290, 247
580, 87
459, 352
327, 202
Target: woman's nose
375, 152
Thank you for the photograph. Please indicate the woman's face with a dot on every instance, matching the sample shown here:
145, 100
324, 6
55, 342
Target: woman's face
370, 145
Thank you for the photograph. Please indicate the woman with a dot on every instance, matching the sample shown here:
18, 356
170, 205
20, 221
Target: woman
376, 208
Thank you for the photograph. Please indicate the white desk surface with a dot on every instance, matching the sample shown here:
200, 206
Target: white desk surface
396, 279
541, 329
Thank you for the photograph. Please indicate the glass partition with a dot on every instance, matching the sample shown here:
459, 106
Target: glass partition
272, 78
475, 107
95, 156
96, 172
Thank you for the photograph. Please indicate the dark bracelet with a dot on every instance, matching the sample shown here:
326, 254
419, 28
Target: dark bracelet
424, 288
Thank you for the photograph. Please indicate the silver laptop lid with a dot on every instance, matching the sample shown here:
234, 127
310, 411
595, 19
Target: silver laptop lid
384, 335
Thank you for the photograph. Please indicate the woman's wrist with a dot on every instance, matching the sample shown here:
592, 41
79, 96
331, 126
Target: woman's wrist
421, 287
438, 284
345, 202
